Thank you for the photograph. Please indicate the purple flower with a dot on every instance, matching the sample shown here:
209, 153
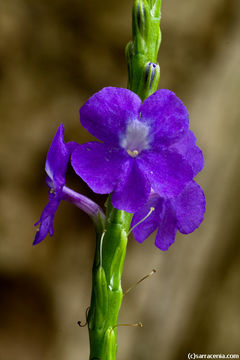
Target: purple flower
144, 146
186, 146
56, 166
184, 213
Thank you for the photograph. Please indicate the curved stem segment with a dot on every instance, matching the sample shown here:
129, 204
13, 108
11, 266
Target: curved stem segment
143, 73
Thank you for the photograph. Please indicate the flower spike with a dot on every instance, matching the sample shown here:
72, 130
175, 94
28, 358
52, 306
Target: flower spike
143, 49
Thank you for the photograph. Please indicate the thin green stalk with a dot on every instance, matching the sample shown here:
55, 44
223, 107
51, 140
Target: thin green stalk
143, 78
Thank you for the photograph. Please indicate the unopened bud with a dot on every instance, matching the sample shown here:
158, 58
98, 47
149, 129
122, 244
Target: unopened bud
152, 74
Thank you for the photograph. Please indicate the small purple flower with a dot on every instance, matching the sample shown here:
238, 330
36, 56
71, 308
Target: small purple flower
56, 166
184, 213
143, 146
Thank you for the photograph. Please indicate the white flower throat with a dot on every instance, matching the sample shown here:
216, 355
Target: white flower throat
136, 138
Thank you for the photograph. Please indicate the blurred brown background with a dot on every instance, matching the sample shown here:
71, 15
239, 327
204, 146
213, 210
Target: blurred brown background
53, 56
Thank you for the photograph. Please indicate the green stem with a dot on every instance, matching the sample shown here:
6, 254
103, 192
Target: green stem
106, 288
111, 244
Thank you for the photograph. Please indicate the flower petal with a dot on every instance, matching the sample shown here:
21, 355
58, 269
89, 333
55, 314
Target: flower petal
190, 208
187, 147
166, 115
71, 146
98, 165
106, 113
83, 203
167, 227
167, 172
57, 159
46, 219
132, 190
148, 226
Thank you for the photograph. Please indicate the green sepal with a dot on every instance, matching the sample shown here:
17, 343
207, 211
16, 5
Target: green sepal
110, 343
118, 261
100, 290
114, 250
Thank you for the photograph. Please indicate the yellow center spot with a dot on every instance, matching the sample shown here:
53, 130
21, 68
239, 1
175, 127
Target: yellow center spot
133, 153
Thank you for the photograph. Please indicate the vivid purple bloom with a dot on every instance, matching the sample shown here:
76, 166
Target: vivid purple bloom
184, 213
56, 166
186, 146
144, 146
